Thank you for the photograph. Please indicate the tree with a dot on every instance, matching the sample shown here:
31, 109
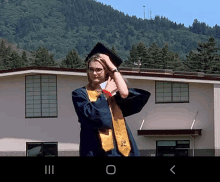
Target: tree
130, 31
89, 44
217, 31
114, 50
165, 56
140, 48
156, 55
145, 62
206, 58
114, 35
72, 60
5, 53
193, 62
103, 34
15, 61
127, 45
80, 46
199, 28
133, 55
174, 62
24, 58
110, 39
208, 55
42, 57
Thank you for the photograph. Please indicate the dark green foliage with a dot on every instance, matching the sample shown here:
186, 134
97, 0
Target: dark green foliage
72, 60
134, 56
5, 53
10, 59
42, 57
67, 31
206, 58
114, 50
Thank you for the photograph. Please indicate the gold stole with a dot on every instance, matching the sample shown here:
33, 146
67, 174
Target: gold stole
118, 122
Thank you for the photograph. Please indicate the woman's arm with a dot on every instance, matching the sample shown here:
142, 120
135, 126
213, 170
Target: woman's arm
120, 83
93, 115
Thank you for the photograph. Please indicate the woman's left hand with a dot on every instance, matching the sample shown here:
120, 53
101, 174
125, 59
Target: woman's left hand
108, 62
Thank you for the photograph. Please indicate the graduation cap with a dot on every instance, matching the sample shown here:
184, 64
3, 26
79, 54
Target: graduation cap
101, 48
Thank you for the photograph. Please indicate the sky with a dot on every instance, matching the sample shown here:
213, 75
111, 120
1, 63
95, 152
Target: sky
179, 11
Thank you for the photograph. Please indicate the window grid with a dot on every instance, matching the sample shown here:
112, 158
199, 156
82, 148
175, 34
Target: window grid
172, 148
42, 91
161, 95
44, 149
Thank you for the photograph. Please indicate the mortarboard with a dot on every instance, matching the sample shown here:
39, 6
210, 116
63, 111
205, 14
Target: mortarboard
101, 48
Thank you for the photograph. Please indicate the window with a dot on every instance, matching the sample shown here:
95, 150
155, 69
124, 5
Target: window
172, 92
41, 96
172, 148
41, 149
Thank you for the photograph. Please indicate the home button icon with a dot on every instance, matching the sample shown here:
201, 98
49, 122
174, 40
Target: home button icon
110, 169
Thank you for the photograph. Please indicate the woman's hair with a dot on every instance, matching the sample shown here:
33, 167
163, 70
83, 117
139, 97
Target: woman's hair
95, 58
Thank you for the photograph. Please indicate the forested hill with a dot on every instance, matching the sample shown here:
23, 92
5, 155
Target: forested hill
63, 25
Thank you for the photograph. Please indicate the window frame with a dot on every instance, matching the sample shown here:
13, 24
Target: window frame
56, 100
165, 102
42, 144
173, 149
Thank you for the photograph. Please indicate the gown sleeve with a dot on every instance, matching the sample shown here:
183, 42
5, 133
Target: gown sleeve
92, 115
135, 101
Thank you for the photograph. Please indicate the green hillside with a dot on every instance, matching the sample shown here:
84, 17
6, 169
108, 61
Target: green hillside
61, 26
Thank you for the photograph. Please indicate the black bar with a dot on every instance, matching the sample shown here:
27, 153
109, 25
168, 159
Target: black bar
170, 132
89, 168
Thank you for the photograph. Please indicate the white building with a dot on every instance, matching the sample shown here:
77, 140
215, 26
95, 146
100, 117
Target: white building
37, 113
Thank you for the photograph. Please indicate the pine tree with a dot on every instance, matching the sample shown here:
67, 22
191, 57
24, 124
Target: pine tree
145, 61
5, 53
208, 54
205, 59
24, 58
15, 61
171, 60
141, 54
43, 58
165, 56
156, 55
72, 60
148, 60
133, 55
193, 62
174, 62
140, 48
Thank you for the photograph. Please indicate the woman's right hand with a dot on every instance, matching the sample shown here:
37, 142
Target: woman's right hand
111, 85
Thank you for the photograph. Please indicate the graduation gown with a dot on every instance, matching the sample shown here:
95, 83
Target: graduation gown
96, 115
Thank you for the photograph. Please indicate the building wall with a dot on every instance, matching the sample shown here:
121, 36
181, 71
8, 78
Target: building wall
15, 130
216, 88
176, 116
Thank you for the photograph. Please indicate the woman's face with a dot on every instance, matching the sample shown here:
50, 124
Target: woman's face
96, 72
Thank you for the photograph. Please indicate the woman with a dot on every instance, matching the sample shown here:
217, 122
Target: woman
104, 131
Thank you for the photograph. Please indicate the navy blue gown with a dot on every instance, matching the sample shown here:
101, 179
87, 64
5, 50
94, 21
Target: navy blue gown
96, 115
